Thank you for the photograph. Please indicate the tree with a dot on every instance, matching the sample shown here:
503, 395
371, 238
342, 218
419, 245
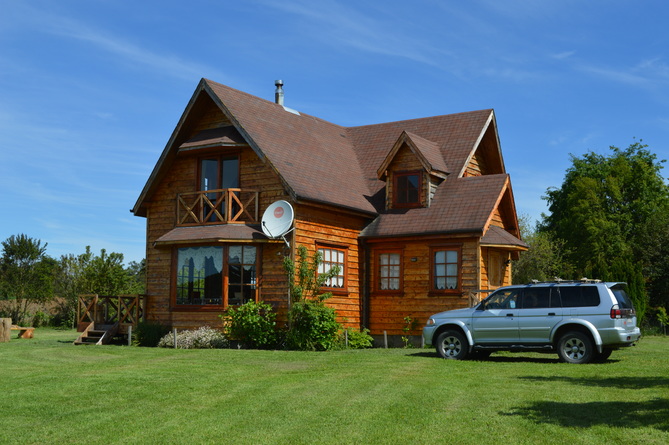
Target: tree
601, 212
26, 274
545, 258
102, 274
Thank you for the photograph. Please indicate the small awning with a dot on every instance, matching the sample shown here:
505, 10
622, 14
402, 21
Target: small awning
214, 137
219, 233
498, 237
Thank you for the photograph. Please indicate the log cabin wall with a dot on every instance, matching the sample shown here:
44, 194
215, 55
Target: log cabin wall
415, 299
319, 227
161, 218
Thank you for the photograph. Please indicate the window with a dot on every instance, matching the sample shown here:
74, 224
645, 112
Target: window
219, 173
333, 257
216, 275
389, 275
445, 269
407, 189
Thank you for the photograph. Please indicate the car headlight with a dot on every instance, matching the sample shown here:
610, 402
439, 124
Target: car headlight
430, 322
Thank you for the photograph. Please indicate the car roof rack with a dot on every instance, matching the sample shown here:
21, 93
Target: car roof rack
557, 280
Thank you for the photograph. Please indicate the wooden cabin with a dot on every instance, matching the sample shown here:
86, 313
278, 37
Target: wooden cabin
419, 214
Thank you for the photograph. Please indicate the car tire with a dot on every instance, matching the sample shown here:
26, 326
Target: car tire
452, 345
576, 347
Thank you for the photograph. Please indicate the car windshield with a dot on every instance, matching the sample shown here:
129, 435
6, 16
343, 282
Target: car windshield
622, 298
502, 299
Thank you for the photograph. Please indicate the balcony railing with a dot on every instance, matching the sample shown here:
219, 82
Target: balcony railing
219, 206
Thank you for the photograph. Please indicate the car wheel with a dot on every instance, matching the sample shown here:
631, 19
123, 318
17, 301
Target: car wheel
452, 345
576, 347
602, 356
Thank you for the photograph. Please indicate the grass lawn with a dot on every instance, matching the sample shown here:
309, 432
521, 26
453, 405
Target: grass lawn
54, 392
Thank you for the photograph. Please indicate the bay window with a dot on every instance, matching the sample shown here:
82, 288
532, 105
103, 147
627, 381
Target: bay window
216, 275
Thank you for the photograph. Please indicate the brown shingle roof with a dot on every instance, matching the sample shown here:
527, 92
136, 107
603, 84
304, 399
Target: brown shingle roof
459, 205
324, 162
496, 236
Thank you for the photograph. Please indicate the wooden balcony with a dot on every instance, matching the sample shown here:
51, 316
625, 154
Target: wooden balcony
221, 206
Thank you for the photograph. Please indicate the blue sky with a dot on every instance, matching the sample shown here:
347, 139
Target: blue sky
90, 91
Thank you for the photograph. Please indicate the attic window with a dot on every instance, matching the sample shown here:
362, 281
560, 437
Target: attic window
407, 187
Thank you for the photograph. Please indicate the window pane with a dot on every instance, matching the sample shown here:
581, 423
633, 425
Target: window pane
199, 275
383, 259
235, 254
394, 283
440, 256
394, 271
451, 256
440, 270
209, 174
451, 283
440, 283
230, 173
452, 270
394, 258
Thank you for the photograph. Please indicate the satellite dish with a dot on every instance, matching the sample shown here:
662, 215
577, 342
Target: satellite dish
277, 219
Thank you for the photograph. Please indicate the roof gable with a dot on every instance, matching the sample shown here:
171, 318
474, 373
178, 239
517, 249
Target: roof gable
427, 152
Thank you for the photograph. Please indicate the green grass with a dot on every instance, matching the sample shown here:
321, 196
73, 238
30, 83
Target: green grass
54, 392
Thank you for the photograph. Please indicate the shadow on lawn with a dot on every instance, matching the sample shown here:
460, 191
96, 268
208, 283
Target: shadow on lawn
649, 414
611, 382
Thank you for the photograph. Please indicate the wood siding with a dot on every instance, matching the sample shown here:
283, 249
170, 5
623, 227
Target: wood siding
329, 228
387, 310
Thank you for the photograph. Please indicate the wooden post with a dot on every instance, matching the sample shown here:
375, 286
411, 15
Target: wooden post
174, 332
5, 329
130, 335
346, 337
385, 339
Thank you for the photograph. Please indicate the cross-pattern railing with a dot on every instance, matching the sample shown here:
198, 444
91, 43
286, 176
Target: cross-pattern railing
218, 206
126, 310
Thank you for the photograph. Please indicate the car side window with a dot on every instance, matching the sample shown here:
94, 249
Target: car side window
536, 298
504, 299
579, 296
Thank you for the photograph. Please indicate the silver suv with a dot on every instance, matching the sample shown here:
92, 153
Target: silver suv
582, 321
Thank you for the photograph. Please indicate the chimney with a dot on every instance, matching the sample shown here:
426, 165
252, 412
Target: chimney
278, 94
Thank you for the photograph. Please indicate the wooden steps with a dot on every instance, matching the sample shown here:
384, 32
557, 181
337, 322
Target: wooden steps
99, 334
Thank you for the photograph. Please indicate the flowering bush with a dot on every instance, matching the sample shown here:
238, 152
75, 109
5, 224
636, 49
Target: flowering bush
201, 338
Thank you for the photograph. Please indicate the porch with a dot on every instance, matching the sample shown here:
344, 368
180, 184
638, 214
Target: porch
115, 312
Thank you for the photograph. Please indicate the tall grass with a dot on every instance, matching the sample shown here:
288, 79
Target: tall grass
54, 392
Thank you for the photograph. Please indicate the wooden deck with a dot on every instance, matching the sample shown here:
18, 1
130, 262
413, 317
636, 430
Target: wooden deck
124, 310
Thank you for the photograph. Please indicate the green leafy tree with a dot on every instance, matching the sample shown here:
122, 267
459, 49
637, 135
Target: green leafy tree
312, 324
101, 274
601, 211
26, 275
545, 258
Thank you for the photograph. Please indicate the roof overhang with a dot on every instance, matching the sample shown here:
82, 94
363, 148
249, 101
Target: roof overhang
214, 234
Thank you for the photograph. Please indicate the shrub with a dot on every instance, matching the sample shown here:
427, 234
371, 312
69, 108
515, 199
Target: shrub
149, 334
41, 318
356, 339
313, 326
252, 324
201, 338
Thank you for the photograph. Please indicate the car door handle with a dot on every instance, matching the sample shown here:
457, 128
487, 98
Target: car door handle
509, 315
551, 314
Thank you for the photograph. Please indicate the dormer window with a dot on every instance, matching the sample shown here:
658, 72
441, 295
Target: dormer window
407, 189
